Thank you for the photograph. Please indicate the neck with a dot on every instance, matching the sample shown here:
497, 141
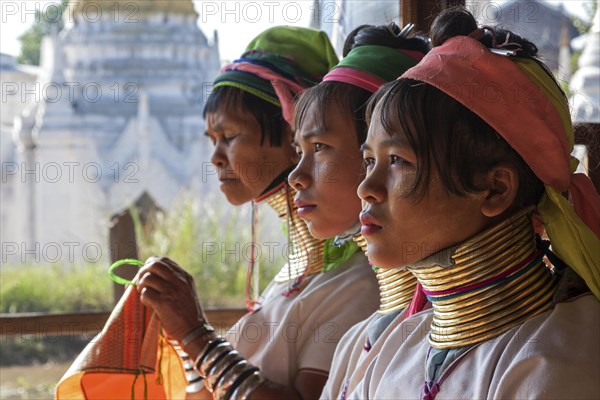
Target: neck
305, 256
495, 281
396, 287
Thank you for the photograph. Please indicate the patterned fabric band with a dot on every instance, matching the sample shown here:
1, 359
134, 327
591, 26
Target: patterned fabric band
278, 64
505, 92
262, 81
370, 66
355, 77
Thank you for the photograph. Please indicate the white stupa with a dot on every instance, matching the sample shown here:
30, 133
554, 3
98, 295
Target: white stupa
118, 118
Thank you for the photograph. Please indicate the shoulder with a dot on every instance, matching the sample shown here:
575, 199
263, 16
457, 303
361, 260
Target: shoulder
555, 354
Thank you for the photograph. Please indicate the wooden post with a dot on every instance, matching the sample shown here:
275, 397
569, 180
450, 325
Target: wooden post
123, 244
423, 12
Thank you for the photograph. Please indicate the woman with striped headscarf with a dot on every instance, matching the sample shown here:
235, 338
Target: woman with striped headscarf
283, 347
330, 127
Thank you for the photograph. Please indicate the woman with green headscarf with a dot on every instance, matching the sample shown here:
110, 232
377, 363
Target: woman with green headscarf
283, 347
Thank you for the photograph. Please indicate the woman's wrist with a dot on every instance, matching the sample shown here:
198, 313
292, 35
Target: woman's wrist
197, 340
224, 370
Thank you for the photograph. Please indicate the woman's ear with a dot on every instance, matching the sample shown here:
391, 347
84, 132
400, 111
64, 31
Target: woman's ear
502, 184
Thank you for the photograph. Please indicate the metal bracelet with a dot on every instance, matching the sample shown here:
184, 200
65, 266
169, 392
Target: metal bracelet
205, 350
219, 368
212, 356
245, 388
200, 331
232, 378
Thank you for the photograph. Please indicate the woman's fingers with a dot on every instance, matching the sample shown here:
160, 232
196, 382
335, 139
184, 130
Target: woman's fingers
170, 291
149, 297
164, 268
151, 280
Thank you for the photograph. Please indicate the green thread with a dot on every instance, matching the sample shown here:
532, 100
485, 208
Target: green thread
118, 279
137, 374
145, 386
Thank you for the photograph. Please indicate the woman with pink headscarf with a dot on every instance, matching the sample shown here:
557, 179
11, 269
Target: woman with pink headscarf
470, 186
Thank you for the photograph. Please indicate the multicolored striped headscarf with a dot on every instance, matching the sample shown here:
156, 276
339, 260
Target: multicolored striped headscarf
517, 98
279, 64
370, 66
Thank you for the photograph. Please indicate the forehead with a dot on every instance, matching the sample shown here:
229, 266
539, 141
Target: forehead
329, 118
224, 117
385, 125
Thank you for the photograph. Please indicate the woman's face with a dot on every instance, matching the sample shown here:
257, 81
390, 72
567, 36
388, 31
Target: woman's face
245, 166
399, 229
328, 174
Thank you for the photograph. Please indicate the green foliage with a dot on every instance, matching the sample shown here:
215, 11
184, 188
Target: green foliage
31, 40
54, 288
30, 46
212, 241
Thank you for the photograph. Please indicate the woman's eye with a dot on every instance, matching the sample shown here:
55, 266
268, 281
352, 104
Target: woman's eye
228, 138
369, 161
396, 160
319, 147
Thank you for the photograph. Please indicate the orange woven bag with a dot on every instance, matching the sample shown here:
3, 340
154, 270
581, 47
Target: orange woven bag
129, 359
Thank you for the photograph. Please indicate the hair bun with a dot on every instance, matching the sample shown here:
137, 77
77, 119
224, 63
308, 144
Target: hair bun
452, 22
458, 21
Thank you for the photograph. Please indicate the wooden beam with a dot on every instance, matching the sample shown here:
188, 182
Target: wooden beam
69, 324
123, 244
423, 12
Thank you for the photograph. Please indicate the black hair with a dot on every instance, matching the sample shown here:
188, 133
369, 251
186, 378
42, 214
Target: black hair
269, 116
449, 140
350, 98
389, 35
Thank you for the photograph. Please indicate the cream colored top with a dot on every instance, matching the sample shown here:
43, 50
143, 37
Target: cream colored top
300, 332
555, 355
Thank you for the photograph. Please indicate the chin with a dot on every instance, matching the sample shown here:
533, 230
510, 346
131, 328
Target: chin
316, 232
235, 200
380, 259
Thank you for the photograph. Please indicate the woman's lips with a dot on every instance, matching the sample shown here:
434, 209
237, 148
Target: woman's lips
369, 224
304, 208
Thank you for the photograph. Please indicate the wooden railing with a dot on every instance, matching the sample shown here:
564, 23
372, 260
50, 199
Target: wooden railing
87, 323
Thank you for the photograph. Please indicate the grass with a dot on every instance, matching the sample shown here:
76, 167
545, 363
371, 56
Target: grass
54, 288
212, 241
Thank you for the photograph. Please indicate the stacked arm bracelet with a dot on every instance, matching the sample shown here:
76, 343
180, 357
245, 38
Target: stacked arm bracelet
226, 374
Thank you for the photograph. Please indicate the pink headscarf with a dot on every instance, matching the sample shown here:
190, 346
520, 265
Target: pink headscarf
517, 98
